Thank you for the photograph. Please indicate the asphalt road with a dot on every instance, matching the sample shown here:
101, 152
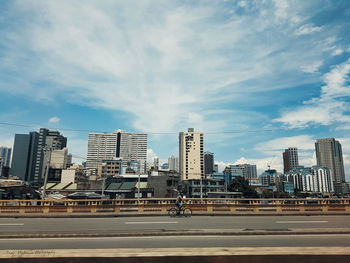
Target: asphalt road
178, 242
161, 223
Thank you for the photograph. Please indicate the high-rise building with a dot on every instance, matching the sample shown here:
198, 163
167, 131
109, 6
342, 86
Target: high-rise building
52, 140
28, 160
216, 168
208, 163
290, 159
249, 170
101, 146
132, 146
191, 152
24, 155
125, 145
311, 179
329, 154
5, 155
173, 163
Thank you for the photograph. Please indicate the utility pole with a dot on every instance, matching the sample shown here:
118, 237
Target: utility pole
47, 153
103, 186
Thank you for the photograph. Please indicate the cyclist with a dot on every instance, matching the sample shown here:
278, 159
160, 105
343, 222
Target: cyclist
179, 203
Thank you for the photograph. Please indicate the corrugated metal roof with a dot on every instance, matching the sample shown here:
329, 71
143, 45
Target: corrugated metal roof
48, 186
114, 186
142, 185
127, 186
72, 187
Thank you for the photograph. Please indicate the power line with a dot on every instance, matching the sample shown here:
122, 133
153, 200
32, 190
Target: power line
154, 133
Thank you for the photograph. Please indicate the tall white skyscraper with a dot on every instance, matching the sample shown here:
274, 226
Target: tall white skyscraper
132, 146
191, 152
101, 146
126, 145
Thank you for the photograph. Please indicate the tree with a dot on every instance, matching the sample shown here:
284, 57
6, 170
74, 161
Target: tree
240, 184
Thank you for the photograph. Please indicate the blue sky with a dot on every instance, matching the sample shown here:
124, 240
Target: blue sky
254, 76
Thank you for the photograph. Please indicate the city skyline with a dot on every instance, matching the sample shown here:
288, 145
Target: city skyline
110, 150
254, 77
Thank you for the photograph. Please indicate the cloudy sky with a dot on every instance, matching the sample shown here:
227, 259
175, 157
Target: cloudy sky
254, 76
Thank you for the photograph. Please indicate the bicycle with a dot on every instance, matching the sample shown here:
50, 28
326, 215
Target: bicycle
184, 211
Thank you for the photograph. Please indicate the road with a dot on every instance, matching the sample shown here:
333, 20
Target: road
206, 224
162, 223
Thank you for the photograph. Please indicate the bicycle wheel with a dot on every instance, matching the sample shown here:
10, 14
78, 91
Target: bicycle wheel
172, 212
187, 212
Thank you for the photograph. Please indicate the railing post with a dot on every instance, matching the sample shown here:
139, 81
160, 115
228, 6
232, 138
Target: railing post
140, 207
163, 208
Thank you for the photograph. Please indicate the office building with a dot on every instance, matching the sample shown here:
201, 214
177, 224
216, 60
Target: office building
48, 141
268, 178
23, 158
311, 179
173, 163
249, 170
216, 168
28, 161
156, 164
121, 144
101, 146
191, 155
59, 161
208, 163
5, 155
329, 154
290, 159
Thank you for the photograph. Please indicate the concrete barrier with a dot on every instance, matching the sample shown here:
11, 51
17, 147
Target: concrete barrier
160, 206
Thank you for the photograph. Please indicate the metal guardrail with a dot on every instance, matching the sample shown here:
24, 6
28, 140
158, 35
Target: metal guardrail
161, 205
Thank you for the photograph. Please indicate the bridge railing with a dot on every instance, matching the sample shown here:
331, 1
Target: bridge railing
161, 205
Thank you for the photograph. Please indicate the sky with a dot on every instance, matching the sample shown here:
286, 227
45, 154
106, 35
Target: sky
255, 76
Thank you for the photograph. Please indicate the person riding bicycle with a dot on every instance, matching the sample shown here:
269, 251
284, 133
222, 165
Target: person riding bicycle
179, 203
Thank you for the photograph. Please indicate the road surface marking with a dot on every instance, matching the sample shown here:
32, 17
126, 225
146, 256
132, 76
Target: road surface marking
134, 223
299, 222
12, 240
12, 224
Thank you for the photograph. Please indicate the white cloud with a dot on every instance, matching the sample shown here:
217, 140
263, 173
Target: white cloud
281, 8
221, 165
313, 67
242, 3
157, 62
337, 51
307, 29
262, 164
151, 155
326, 109
54, 120
302, 142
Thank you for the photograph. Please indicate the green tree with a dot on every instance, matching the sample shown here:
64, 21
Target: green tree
239, 184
